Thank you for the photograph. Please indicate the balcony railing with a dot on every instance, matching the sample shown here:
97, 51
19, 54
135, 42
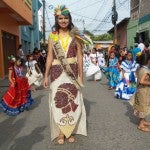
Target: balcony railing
28, 3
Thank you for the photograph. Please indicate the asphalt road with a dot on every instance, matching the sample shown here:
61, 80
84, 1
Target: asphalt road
110, 122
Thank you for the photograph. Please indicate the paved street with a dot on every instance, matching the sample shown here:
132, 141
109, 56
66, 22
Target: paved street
111, 125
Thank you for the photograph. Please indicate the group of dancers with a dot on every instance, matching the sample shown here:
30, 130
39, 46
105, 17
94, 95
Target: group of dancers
128, 74
65, 65
120, 72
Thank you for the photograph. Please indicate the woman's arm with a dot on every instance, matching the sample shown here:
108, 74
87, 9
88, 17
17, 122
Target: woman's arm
28, 70
80, 60
48, 62
37, 67
10, 77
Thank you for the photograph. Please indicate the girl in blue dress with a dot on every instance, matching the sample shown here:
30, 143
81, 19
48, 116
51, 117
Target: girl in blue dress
127, 85
112, 71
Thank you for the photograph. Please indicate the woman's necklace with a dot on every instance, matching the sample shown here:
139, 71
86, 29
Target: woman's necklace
64, 41
18, 71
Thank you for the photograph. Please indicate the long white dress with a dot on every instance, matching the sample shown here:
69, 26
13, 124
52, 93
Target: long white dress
101, 60
67, 110
93, 69
86, 62
34, 78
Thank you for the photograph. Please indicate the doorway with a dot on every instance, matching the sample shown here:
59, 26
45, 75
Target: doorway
9, 48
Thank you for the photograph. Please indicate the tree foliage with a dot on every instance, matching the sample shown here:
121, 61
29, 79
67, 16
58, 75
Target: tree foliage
103, 37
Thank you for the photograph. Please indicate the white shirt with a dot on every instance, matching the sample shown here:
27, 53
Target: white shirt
141, 46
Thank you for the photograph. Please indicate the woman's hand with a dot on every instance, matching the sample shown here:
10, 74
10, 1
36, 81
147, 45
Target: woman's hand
13, 84
45, 83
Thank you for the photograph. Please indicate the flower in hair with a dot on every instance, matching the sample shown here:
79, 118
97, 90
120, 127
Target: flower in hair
12, 58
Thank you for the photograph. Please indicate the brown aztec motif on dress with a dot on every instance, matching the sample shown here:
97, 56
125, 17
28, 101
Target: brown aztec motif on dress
56, 70
65, 96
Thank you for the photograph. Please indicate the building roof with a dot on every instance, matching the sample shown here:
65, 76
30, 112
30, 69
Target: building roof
103, 42
125, 20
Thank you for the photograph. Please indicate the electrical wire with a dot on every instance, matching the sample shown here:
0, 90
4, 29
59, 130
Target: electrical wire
89, 18
48, 19
108, 15
74, 3
97, 13
89, 5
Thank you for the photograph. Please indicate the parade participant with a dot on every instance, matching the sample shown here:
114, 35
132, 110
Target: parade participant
142, 96
41, 61
136, 51
127, 85
93, 69
86, 61
34, 73
100, 58
122, 56
112, 71
18, 97
65, 64
21, 55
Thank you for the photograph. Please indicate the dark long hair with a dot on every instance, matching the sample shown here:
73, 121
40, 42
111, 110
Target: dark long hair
12, 63
143, 59
129, 52
56, 27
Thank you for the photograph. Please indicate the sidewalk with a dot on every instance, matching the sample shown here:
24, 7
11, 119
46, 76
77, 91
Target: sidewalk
4, 83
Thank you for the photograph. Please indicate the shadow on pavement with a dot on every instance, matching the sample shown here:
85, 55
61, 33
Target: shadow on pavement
130, 113
88, 106
9, 130
26, 142
37, 102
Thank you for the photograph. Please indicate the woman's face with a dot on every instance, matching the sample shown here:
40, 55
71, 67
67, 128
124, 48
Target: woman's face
18, 62
30, 58
112, 55
129, 56
63, 21
93, 51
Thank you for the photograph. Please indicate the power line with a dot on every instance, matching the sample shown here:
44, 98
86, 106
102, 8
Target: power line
48, 20
74, 3
108, 15
89, 18
97, 13
89, 5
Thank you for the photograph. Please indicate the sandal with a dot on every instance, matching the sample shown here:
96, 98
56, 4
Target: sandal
144, 129
71, 139
110, 88
60, 139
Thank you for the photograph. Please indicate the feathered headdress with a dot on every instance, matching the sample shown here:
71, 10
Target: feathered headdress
79, 35
61, 10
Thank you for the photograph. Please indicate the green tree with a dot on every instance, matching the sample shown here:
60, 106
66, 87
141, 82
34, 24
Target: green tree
102, 37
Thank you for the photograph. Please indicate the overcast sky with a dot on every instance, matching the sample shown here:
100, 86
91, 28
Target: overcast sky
94, 15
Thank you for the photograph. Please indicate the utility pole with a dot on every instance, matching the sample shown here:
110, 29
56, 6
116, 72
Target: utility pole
43, 22
114, 20
83, 25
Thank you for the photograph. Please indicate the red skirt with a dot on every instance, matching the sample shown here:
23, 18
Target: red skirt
17, 98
